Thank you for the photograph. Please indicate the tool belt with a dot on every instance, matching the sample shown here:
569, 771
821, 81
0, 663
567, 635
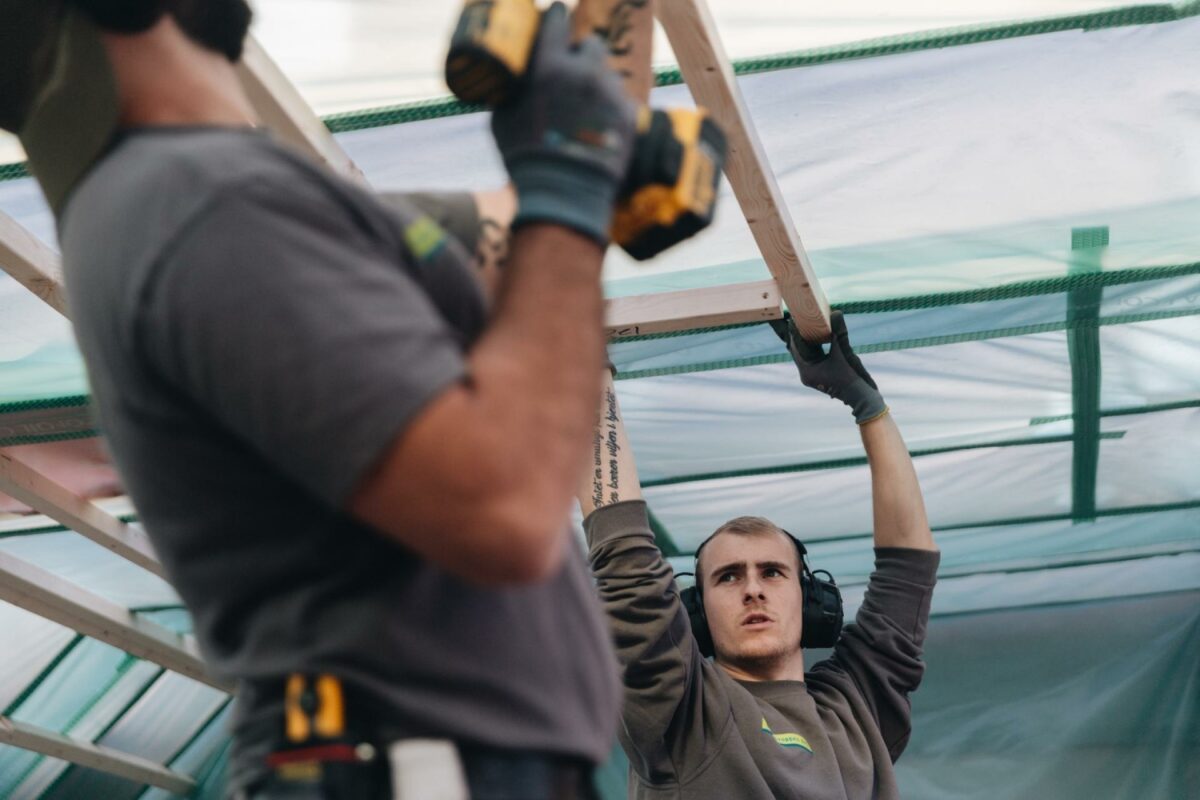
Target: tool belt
332, 749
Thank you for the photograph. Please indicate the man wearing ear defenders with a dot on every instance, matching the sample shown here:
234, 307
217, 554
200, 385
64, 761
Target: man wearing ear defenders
752, 723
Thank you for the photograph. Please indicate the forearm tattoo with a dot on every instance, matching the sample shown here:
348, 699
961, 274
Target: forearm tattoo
606, 449
491, 249
618, 33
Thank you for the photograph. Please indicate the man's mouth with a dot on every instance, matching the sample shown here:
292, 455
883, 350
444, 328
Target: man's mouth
755, 619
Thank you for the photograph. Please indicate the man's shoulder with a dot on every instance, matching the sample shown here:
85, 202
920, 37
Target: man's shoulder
176, 171
155, 187
156, 184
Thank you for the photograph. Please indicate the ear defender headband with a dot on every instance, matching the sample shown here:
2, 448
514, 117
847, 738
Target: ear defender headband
822, 612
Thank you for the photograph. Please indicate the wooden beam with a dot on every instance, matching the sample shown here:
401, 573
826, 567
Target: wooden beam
56, 501
93, 756
690, 309
47, 595
34, 265
693, 35
281, 109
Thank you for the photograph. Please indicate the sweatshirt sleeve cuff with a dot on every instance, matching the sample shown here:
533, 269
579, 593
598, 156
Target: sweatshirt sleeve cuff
626, 518
901, 588
909, 564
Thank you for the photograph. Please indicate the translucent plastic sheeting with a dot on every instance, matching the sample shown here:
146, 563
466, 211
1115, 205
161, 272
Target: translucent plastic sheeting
28, 643
984, 592
92, 567
81, 698
158, 726
1150, 362
963, 166
38, 358
1098, 700
869, 332
199, 755
346, 55
961, 488
930, 144
1155, 462
176, 619
762, 416
1030, 546
920, 327
1181, 294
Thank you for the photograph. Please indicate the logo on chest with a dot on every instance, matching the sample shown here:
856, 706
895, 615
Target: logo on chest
793, 740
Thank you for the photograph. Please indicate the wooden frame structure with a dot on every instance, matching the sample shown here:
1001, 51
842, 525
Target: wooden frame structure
97, 757
35, 266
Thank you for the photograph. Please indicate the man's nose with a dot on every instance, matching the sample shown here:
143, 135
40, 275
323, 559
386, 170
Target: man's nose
754, 591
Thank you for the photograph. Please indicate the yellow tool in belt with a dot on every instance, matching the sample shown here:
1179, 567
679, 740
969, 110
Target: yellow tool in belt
313, 712
318, 750
671, 190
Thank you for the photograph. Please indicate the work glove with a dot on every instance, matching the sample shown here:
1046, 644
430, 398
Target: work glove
839, 374
567, 136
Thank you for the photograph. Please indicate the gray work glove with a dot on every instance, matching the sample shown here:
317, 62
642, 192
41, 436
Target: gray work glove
567, 136
840, 374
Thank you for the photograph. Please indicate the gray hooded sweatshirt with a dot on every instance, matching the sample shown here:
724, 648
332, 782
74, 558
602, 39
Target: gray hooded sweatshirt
693, 732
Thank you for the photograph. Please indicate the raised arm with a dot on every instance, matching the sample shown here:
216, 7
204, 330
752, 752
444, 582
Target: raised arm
611, 472
896, 501
670, 706
899, 510
481, 480
877, 660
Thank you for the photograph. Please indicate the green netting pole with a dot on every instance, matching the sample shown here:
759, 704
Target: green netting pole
1083, 345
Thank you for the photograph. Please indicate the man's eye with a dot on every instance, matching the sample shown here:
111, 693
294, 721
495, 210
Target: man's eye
726, 578
771, 572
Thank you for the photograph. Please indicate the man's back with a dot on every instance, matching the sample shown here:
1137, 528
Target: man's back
257, 334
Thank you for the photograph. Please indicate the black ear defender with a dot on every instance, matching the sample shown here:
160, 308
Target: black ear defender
123, 16
822, 613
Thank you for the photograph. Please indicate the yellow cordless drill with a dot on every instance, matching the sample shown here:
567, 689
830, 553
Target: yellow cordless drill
670, 192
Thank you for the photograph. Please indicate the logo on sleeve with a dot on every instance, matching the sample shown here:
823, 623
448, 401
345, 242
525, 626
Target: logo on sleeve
786, 739
424, 238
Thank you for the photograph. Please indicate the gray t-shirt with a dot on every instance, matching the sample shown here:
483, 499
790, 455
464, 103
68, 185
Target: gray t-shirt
692, 732
257, 333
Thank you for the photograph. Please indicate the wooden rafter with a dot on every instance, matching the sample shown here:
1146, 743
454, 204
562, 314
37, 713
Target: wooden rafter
43, 593
56, 501
281, 109
34, 265
692, 309
93, 756
709, 74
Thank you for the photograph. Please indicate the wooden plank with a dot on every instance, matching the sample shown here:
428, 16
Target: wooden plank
693, 35
692, 308
47, 595
56, 501
34, 265
281, 108
93, 756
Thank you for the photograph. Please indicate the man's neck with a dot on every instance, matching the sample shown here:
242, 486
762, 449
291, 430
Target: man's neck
164, 79
784, 668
